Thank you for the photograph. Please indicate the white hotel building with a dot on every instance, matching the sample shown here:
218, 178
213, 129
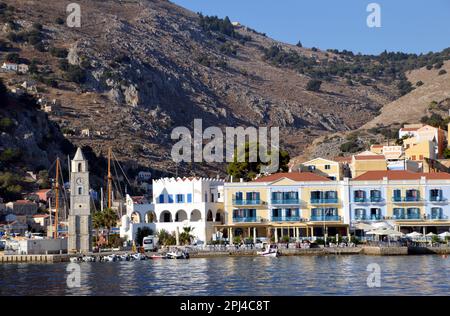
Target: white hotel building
177, 203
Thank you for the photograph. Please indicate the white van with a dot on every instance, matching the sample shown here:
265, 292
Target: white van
150, 243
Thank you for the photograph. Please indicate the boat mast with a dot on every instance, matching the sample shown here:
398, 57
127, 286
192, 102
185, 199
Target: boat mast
57, 198
109, 178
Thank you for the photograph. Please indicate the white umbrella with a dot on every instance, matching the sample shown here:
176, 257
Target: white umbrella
445, 234
431, 234
414, 235
383, 232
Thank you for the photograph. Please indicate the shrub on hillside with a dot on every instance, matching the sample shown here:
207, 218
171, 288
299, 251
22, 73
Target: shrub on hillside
442, 72
313, 85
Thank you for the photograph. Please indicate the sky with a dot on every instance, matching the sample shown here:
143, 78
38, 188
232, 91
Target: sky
410, 26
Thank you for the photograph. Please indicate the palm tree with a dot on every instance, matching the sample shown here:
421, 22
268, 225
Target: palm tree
97, 221
186, 237
109, 220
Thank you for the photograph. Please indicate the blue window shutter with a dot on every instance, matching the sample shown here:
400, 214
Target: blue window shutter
189, 198
161, 198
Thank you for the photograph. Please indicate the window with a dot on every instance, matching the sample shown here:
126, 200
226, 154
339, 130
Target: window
437, 213
161, 198
413, 157
218, 195
375, 195
311, 168
327, 167
170, 198
399, 213
360, 195
360, 214
413, 213
252, 196
397, 195
180, 198
277, 212
206, 196
421, 157
238, 196
412, 195
80, 190
212, 197
79, 167
189, 198
436, 195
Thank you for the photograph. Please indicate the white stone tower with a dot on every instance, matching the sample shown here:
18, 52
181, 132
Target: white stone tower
80, 222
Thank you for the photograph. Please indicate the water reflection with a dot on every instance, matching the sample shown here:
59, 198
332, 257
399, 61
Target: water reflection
312, 275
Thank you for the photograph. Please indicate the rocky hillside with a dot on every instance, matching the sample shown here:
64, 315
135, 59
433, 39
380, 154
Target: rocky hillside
137, 69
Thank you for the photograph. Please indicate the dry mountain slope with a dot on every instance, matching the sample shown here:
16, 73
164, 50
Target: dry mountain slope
143, 67
413, 106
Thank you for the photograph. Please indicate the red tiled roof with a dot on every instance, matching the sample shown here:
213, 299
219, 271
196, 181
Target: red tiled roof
342, 159
370, 157
401, 175
294, 176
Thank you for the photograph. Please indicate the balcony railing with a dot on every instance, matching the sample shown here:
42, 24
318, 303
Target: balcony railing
437, 217
360, 200
327, 218
438, 199
324, 201
376, 199
246, 202
368, 217
406, 199
245, 219
407, 216
286, 202
286, 219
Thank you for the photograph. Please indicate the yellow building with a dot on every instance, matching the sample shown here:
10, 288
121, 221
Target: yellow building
367, 161
324, 167
422, 153
298, 205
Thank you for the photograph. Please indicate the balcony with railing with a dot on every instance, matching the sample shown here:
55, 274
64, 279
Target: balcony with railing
438, 199
242, 202
246, 219
325, 218
407, 199
286, 219
368, 217
437, 217
325, 201
286, 202
406, 217
360, 200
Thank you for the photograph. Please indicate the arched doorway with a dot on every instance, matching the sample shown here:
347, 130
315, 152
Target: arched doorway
219, 216
165, 217
209, 217
196, 216
150, 217
181, 216
135, 218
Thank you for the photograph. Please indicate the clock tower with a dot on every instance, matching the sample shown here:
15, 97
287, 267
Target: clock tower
80, 221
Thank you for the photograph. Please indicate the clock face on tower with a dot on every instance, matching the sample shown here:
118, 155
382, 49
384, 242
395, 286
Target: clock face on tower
79, 181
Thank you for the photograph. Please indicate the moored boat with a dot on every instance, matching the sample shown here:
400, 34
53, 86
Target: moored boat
270, 251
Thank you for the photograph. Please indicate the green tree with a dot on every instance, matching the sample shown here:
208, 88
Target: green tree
186, 237
314, 85
165, 238
44, 182
249, 170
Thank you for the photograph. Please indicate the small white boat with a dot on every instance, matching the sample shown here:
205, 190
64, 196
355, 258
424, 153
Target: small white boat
88, 259
110, 258
177, 255
74, 259
138, 256
270, 251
